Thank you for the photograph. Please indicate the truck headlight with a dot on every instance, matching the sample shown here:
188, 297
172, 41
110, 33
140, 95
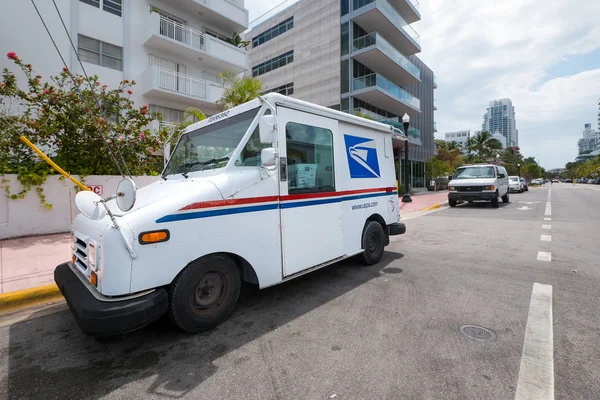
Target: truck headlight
92, 255
491, 187
452, 188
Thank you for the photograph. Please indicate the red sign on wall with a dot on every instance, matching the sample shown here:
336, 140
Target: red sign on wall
96, 189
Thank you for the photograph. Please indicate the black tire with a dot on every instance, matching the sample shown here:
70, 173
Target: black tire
452, 203
373, 242
495, 202
505, 198
204, 294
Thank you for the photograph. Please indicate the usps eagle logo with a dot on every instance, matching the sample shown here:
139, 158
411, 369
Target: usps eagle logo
362, 157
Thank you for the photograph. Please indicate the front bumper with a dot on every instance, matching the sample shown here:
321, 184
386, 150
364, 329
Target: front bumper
108, 318
514, 188
467, 196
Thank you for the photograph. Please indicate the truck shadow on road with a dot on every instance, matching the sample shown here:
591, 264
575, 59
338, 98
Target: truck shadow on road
49, 358
482, 205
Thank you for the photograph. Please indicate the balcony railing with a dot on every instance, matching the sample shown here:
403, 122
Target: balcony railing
376, 80
375, 38
391, 14
184, 84
181, 33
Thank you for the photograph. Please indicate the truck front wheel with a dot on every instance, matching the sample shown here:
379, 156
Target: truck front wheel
204, 294
373, 242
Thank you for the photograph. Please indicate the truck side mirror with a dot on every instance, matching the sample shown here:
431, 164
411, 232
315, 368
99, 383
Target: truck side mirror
266, 127
267, 157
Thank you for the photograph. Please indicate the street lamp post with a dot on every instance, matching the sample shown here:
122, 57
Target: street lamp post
406, 197
519, 167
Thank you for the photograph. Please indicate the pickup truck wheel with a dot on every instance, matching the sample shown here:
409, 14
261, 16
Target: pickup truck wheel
495, 202
452, 203
505, 198
204, 294
373, 243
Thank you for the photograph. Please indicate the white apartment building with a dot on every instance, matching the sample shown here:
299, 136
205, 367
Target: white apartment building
460, 137
590, 141
173, 50
500, 117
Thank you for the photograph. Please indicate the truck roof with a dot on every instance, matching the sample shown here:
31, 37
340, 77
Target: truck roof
278, 99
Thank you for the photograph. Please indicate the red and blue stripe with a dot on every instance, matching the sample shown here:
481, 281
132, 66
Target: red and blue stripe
217, 208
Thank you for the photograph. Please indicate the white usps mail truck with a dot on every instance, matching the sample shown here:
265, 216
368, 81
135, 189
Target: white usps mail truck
262, 193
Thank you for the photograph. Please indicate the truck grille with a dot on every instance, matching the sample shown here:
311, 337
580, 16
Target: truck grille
81, 254
469, 188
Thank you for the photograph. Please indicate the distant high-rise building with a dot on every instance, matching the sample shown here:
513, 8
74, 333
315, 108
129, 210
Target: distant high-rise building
590, 141
599, 115
460, 137
500, 117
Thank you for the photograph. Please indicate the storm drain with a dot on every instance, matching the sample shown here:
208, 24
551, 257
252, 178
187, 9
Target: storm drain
478, 333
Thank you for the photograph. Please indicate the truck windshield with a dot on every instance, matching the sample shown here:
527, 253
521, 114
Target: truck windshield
474, 173
211, 146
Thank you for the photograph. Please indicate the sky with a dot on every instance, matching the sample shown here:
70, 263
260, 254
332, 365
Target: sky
543, 55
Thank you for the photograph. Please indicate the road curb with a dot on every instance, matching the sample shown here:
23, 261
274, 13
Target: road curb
28, 297
435, 206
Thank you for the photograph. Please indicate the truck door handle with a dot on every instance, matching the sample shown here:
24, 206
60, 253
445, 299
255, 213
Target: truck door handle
283, 169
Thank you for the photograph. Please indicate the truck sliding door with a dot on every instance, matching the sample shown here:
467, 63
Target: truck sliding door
311, 211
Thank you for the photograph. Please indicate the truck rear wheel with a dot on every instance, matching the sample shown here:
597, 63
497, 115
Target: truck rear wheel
373, 242
204, 294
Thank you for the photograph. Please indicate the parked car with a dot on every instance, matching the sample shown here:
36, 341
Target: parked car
524, 184
569, 180
597, 181
479, 182
515, 184
590, 180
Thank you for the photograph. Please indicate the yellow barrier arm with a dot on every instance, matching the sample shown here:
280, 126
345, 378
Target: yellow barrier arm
53, 164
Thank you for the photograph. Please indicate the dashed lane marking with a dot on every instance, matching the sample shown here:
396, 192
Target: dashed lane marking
547, 219
546, 226
544, 256
546, 238
536, 373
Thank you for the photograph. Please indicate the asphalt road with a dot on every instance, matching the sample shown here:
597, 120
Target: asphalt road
390, 331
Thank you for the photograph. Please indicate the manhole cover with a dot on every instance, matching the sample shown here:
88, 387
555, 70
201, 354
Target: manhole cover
477, 333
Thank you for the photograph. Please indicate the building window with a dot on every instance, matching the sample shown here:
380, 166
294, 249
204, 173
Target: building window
345, 7
361, 3
345, 38
170, 116
112, 6
345, 76
273, 32
309, 158
100, 53
273, 63
286, 90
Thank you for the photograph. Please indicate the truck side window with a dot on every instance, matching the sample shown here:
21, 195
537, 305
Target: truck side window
309, 158
250, 155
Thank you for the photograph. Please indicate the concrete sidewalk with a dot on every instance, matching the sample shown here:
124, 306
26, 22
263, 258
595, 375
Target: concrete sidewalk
423, 200
29, 262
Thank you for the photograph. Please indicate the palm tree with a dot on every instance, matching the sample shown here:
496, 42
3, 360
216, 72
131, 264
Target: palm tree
484, 144
238, 90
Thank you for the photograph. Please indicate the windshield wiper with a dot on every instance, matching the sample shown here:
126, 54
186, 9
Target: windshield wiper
188, 167
214, 160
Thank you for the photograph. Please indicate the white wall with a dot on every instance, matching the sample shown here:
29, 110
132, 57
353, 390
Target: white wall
26, 217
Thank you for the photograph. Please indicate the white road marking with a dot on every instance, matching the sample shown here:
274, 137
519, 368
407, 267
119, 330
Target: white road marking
546, 238
544, 256
549, 194
548, 208
546, 226
547, 219
536, 374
